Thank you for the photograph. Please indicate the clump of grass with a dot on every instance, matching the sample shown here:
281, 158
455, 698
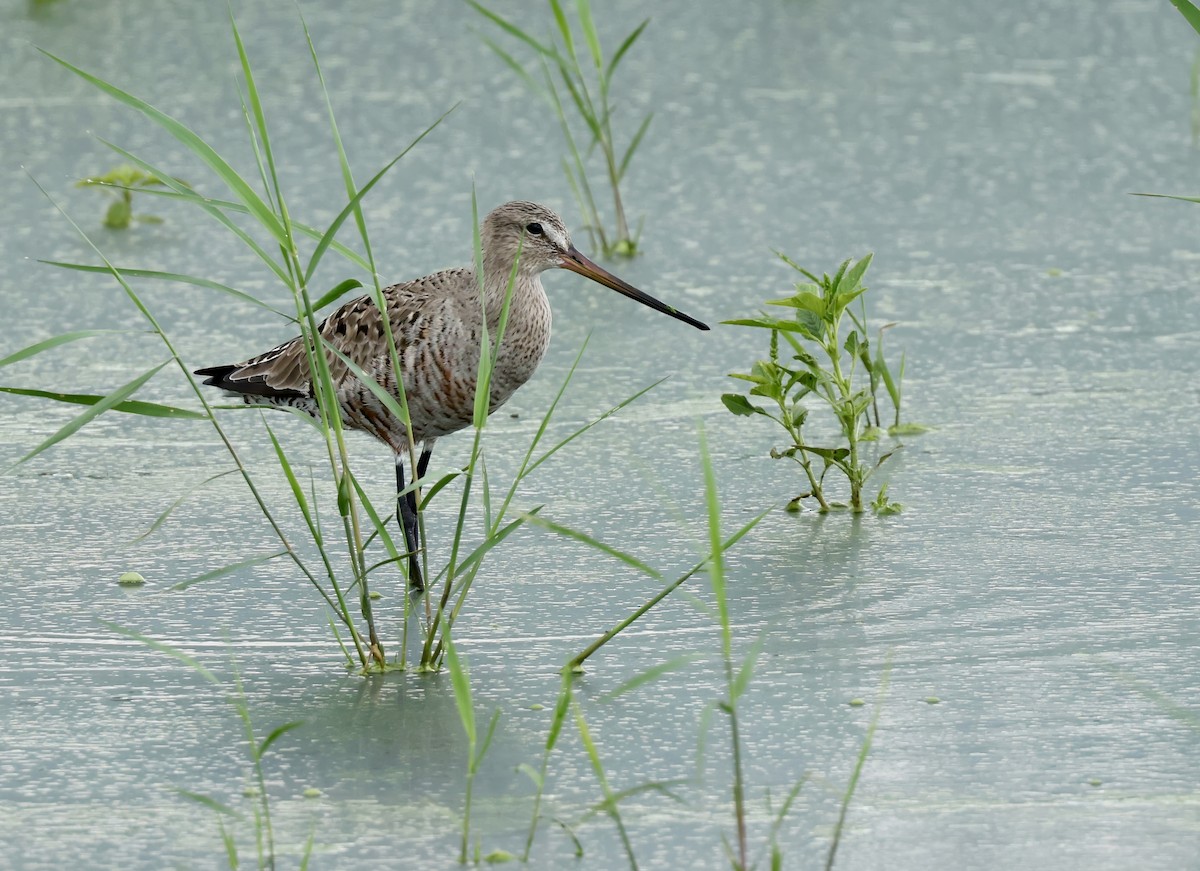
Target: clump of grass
563, 64
121, 183
839, 371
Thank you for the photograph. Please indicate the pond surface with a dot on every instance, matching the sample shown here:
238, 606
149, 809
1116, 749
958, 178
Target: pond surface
1041, 584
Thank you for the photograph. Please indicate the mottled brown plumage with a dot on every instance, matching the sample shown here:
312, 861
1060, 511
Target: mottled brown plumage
437, 325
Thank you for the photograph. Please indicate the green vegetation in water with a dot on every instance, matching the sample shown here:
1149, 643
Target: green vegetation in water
131, 579
121, 183
256, 790
359, 524
843, 373
476, 750
589, 92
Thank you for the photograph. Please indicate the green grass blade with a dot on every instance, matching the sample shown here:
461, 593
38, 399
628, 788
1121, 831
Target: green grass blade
1188, 11
104, 404
583, 537
377, 522
515, 65
211, 803
275, 735
201, 149
716, 565
381, 393
487, 737
340, 290
624, 47
652, 674
164, 648
129, 406
591, 423
584, 8
168, 276
162, 518
462, 690
863, 753
294, 483
633, 144
232, 567
494, 539
352, 207
512, 30
1169, 197
64, 338
564, 28
260, 121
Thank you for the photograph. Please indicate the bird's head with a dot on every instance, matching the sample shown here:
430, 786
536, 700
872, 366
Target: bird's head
537, 239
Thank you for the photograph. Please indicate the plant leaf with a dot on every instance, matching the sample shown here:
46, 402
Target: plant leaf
232, 567
740, 405
276, 733
98, 408
129, 406
64, 338
1188, 11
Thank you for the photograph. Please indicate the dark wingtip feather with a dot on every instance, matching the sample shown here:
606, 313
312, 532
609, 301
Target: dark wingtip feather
224, 378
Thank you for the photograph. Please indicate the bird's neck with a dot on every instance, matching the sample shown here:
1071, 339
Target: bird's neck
497, 277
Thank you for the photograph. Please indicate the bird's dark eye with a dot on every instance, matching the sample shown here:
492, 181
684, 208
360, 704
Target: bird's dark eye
533, 229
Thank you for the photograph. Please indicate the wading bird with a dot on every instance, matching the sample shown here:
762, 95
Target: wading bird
437, 322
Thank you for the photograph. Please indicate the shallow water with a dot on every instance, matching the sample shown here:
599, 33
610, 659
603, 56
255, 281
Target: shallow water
1041, 583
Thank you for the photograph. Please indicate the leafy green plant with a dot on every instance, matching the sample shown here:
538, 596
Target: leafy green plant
819, 364
121, 183
588, 91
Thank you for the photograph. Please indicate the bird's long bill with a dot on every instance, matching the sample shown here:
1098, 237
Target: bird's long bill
576, 262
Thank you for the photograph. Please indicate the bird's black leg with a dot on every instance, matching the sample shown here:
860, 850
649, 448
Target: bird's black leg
408, 515
408, 523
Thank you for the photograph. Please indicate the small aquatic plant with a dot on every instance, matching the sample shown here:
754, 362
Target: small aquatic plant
121, 183
588, 92
818, 364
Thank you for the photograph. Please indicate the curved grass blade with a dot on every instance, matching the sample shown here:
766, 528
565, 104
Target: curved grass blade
624, 47
162, 518
275, 735
201, 149
232, 567
129, 406
211, 803
352, 207
652, 674
163, 648
515, 66
54, 342
381, 393
633, 144
101, 405
336, 293
584, 8
583, 537
492, 540
512, 29
1188, 11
